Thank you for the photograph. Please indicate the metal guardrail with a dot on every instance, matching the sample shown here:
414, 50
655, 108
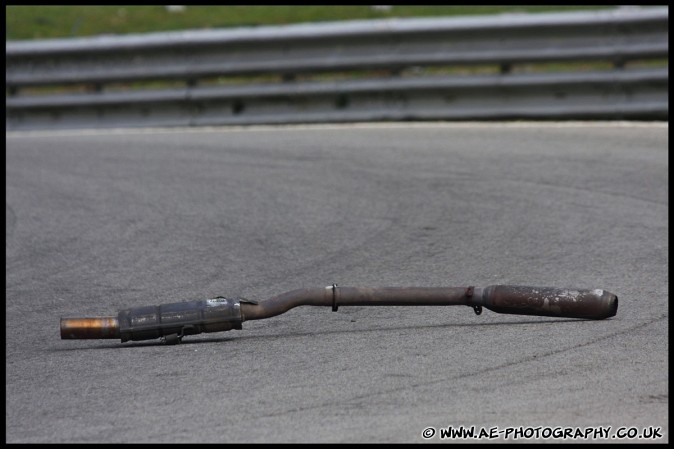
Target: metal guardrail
381, 51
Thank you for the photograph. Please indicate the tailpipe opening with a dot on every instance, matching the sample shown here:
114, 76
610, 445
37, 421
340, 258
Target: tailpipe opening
89, 328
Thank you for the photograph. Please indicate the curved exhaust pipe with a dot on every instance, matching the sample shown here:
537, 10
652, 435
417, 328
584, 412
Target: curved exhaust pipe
171, 322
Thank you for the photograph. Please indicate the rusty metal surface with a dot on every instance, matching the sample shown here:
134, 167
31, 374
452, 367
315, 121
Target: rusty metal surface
335, 296
279, 304
548, 301
401, 296
89, 328
173, 321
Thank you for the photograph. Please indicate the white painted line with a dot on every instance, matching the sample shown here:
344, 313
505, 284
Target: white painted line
336, 126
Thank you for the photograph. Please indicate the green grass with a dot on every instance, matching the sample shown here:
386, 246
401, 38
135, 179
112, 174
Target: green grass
43, 22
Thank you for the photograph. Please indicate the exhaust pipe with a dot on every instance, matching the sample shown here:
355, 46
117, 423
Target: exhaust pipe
171, 322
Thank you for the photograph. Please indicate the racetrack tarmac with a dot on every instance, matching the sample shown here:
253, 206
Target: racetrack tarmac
98, 221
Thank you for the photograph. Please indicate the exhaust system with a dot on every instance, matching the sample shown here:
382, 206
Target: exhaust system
171, 322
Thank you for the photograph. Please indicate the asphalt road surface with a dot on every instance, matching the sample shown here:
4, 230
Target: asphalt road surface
101, 221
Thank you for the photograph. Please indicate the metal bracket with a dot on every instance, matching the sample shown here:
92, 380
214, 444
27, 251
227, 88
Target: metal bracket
334, 297
469, 294
174, 339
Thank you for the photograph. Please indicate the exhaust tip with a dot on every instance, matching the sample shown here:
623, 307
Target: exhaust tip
89, 328
611, 302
